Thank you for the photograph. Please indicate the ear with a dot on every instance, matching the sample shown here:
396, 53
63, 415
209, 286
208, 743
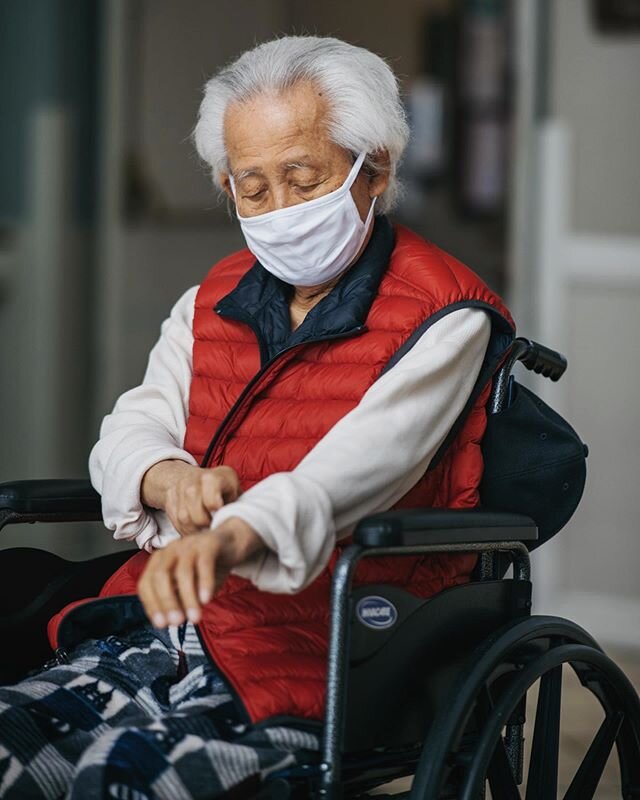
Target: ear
226, 186
379, 181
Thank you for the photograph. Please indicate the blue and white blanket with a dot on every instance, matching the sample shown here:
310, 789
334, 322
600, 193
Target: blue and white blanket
136, 716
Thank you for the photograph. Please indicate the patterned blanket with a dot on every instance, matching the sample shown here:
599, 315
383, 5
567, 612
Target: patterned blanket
138, 716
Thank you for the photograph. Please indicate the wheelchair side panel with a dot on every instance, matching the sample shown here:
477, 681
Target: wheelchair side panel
405, 652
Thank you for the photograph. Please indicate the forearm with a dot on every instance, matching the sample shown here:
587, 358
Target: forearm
293, 517
376, 454
117, 470
145, 428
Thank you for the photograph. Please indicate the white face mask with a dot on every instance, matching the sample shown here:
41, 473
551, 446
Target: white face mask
312, 242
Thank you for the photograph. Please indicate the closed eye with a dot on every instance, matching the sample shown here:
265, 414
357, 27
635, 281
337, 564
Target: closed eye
308, 188
255, 196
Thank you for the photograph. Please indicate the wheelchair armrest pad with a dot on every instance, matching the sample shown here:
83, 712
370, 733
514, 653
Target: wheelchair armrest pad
36, 498
435, 526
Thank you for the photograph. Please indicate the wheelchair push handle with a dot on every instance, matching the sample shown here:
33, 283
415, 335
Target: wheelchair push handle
534, 356
542, 360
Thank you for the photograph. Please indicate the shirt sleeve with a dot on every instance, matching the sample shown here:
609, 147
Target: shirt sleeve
147, 425
367, 461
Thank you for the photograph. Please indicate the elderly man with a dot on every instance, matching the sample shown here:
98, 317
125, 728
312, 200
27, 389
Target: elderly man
337, 367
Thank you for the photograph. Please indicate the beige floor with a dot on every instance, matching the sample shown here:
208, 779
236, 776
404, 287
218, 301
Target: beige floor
581, 717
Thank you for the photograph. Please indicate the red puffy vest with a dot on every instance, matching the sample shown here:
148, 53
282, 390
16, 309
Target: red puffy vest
265, 417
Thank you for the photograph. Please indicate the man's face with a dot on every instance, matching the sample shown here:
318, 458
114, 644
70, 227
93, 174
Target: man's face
280, 153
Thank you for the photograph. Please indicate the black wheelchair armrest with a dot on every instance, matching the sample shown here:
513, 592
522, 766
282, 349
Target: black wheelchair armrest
435, 526
57, 500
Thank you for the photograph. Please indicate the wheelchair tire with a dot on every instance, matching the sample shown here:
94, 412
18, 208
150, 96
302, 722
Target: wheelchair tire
475, 740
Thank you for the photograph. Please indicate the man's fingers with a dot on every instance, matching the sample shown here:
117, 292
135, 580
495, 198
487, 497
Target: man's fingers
182, 521
190, 503
165, 593
205, 570
219, 486
230, 485
212, 491
185, 575
193, 501
148, 598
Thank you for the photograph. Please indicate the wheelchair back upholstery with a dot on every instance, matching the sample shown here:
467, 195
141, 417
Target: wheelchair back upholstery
34, 585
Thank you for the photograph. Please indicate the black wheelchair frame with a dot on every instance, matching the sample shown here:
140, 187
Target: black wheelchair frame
440, 694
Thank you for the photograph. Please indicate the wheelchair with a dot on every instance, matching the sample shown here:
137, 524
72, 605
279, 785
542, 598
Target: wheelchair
431, 688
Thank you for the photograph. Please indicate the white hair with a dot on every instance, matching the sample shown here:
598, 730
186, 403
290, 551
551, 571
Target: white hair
366, 112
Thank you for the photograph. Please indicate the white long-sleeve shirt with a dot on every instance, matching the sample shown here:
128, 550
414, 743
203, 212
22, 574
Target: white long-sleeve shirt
363, 465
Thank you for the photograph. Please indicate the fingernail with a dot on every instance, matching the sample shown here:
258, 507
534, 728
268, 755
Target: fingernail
193, 615
159, 620
175, 618
204, 595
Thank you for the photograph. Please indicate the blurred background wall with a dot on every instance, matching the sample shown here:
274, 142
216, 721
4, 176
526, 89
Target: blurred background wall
523, 163
587, 269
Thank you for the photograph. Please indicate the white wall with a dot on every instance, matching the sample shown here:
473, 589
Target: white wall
595, 87
588, 305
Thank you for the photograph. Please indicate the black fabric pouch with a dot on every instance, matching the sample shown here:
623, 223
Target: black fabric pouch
534, 463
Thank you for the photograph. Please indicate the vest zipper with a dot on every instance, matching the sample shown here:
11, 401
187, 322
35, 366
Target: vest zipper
260, 374
218, 435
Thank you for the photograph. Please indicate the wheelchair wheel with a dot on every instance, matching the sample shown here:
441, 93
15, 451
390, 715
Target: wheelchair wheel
475, 741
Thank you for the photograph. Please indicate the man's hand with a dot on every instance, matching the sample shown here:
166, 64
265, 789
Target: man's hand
189, 494
181, 578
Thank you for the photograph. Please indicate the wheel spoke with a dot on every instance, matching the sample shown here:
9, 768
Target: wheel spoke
500, 775
586, 780
542, 781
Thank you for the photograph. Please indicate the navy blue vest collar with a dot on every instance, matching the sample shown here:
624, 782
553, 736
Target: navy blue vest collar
262, 301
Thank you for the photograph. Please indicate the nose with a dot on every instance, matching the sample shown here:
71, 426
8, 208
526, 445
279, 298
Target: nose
283, 196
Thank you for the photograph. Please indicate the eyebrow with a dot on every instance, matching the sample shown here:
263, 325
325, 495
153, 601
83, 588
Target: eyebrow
300, 164
241, 174
251, 172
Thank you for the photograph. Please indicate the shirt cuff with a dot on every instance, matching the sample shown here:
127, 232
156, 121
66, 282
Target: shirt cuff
122, 508
155, 538
293, 516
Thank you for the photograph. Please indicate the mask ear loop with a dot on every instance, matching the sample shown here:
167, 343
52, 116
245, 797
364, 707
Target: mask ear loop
359, 162
351, 179
371, 212
355, 170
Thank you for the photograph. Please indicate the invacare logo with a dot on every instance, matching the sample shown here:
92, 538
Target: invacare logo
376, 612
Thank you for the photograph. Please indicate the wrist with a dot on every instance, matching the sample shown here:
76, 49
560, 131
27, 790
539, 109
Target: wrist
243, 538
158, 478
